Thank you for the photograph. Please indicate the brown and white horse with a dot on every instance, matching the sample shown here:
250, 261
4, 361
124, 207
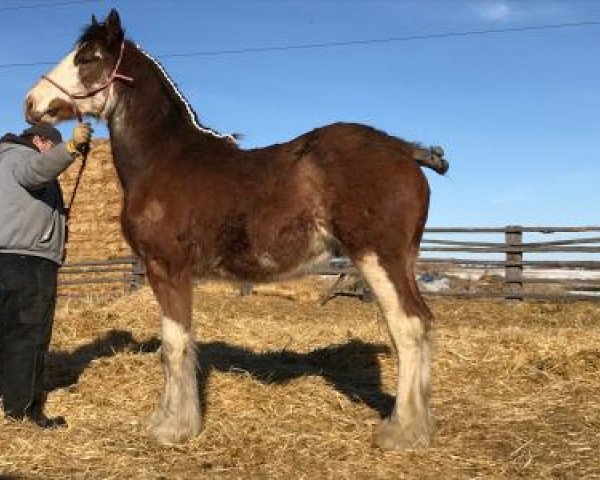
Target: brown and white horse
195, 204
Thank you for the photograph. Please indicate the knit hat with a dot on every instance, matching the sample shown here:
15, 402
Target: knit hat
43, 130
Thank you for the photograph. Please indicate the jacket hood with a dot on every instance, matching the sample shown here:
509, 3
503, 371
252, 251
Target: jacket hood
12, 138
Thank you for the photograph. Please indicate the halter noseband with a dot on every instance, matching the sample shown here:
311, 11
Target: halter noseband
115, 75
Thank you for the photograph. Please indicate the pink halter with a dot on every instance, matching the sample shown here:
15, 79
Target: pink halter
78, 96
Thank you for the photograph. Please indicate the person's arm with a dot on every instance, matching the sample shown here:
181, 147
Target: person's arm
35, 169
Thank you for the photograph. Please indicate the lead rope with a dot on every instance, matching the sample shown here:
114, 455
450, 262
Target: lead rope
69, 208
77, 182
83, 156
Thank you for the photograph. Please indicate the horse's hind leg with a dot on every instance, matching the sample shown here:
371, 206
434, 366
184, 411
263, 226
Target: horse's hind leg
178, 416
408, 320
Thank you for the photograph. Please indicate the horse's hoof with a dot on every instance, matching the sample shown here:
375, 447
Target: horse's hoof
172, 430
166, 436
393, 435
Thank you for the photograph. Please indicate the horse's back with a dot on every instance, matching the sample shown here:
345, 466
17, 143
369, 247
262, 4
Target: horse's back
350, 179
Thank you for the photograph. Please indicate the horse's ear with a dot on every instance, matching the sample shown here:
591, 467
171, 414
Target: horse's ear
94, 21
113, 27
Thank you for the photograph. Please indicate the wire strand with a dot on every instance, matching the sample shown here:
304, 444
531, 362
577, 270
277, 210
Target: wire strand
380, 40
350, 43
34, 6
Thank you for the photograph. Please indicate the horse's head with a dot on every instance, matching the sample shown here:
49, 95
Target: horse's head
82, 82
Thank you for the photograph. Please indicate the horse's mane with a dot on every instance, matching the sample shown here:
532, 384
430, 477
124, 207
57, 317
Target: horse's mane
96, 32
173, 89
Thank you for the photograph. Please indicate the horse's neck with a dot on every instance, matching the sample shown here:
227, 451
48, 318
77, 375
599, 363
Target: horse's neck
149, 117
139, 128
129, 157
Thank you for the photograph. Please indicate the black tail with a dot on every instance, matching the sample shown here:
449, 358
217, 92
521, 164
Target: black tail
432, 157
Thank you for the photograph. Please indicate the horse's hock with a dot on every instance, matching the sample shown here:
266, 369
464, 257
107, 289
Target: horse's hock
94, 225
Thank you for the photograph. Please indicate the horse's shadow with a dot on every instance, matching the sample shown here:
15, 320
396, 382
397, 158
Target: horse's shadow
352, 368
63, 368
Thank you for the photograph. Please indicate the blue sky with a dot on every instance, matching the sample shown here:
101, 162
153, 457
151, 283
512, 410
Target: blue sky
517, 113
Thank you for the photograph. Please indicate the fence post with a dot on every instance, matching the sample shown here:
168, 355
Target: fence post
513, 274
138, 272
246, 288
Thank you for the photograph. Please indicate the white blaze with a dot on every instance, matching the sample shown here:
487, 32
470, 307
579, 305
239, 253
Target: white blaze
66, 75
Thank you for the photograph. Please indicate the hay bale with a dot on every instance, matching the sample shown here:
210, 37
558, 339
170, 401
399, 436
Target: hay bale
94, 225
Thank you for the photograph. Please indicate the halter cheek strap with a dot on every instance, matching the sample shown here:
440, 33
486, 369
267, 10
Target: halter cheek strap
115, 75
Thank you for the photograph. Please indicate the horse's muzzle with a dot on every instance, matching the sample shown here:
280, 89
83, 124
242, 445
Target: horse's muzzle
30, 116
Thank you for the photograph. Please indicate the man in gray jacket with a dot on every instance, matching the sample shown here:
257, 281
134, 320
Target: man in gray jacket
32, 242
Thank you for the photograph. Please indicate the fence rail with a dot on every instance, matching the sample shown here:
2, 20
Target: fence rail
507, 267
520, 274
517, 274
127, 272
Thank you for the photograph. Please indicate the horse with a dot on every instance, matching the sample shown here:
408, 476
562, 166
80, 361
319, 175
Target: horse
195, 204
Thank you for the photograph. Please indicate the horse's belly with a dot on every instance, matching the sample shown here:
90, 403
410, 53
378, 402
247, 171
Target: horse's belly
271, 264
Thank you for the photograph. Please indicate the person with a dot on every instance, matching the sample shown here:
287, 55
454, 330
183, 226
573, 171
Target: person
32, 241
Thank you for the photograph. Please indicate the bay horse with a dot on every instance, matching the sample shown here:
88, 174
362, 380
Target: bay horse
196, 204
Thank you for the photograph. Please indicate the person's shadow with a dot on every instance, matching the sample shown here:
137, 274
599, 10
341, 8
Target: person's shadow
352, 368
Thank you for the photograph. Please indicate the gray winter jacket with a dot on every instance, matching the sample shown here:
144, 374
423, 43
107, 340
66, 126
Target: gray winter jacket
32, 213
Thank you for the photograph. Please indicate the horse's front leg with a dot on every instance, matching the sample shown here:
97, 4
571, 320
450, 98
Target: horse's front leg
178, 415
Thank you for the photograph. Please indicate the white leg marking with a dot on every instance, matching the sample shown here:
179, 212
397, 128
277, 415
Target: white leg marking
412, 350
178, 416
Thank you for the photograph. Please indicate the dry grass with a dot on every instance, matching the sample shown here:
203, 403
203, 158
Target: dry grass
294, 390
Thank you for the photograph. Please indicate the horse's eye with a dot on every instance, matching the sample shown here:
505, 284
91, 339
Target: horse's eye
87, 58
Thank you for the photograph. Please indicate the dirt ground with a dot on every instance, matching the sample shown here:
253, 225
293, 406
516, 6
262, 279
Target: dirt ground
292, 389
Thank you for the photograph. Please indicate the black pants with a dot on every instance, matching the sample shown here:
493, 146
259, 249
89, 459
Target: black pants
27, 302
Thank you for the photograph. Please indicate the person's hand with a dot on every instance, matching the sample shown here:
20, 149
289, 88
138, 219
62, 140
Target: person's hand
80, 139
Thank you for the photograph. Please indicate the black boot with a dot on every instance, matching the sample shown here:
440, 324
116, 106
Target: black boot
15, 409
42, 421
35, 414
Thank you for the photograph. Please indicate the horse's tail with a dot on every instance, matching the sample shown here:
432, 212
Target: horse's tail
432, 157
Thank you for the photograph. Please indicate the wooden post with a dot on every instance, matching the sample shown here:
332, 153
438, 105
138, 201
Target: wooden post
246, 288
138, 272
513, 275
